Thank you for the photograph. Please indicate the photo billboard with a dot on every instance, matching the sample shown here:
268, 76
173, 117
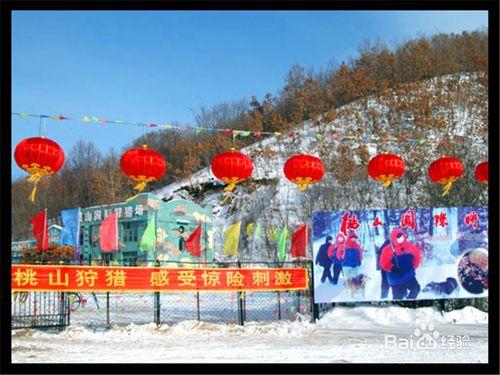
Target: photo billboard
422, 253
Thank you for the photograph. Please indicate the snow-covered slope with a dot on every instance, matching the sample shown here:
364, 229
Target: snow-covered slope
269, 199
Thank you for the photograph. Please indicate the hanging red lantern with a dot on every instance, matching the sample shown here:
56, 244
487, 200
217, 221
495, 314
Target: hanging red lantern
143, 166
304, 170
386, 167
231, 167
482, 172
446, 171
39, 157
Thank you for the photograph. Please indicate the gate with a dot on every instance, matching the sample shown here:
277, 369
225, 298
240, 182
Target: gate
39, 310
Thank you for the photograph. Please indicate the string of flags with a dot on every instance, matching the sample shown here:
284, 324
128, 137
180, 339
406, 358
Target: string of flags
42, 157
242, 133
298, 246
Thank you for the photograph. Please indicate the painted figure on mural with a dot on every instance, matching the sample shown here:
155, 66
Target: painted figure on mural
400, 258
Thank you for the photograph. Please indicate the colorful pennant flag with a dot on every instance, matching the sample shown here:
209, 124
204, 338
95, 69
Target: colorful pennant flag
108, 233
232, 239
282, 244
299, 242
249, 229
148, 240
40, 230
193, 243
271, 234
70, 233
257, 232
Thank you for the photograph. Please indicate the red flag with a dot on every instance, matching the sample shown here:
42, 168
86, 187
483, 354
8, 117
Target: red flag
193, 243
109, 233
40, 230
299, 242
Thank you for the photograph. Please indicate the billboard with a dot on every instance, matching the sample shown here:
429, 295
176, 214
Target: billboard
422, 253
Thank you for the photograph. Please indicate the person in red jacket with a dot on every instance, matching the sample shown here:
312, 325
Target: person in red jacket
352, 256
400, 258
336, 253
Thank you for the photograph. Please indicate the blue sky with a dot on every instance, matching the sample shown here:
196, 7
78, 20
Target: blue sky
162, 66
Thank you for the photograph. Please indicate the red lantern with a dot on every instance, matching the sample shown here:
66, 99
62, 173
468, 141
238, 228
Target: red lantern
386, 167
446, 171
39, 157
304, 170
231, 167
143, 166
482, 172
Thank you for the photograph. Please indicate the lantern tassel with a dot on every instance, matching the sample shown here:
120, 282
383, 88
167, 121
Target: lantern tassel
35, 179
139, 187
447, 187
226, 198
229, 188
386, 180
37, 173
303, 187
303, 182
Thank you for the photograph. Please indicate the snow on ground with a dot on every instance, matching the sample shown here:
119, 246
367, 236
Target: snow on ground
360, 334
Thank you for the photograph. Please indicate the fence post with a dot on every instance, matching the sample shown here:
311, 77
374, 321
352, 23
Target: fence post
241, 318
156, 303
298, 264
108, 317
244, 294
314, 306
63, 312
278, 298
198, 305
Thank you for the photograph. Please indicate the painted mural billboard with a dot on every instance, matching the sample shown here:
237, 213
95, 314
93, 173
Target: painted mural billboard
422, 253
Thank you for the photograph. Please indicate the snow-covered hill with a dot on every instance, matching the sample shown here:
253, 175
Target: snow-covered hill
270, 200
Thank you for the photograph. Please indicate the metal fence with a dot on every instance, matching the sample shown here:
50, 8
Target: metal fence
39, 310
114, 309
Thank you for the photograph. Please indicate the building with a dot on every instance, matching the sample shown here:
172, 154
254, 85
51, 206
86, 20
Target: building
55, 234
18, 247
173, 221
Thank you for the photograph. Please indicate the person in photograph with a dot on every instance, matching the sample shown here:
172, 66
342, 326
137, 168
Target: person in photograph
335, 253
323, 260
400, 258
384, 284
352, 256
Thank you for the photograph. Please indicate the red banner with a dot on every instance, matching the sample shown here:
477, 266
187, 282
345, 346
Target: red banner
133, 279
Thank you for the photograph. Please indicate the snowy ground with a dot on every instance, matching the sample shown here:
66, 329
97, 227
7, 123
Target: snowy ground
342, 335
